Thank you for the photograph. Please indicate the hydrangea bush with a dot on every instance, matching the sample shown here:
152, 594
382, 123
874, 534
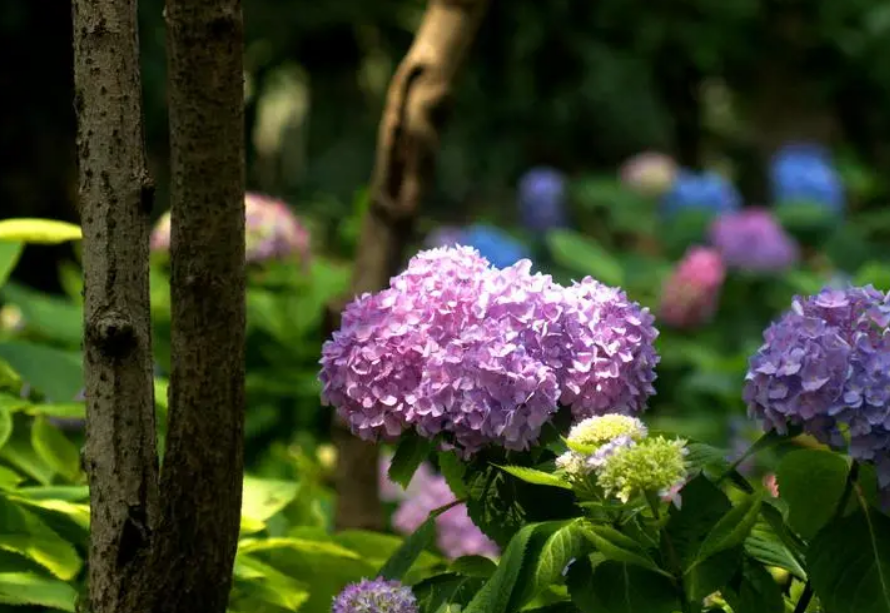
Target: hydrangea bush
515, 403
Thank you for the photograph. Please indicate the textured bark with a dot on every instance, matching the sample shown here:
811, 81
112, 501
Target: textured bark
416, 110
115, 198
203, 464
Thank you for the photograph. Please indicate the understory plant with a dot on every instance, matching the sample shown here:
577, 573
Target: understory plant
527, 396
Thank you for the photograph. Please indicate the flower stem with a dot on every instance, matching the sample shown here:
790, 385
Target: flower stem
852, 477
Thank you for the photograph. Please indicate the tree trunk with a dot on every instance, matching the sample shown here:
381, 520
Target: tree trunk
416, 110
120, 455
203, 465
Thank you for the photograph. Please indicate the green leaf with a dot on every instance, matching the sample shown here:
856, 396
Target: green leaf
619, 547
19, 452
755, 592
473, 566
436, 593
10, 252
38, 231
732, 529
258, 582
67, 410
703, 506
410, 454
849, 563
51, 317
764, 545
23, 533
27, 589
263, 498
545, 567
495, 595
710, 577
376, 548
620, 588
535, 477
585, 256
56, 373
56, 450
453, 469
812, 482
5, 425
402, 560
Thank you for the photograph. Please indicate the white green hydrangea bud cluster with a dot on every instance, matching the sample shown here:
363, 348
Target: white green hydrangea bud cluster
616, 451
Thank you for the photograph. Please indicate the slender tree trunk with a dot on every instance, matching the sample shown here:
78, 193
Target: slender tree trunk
416, 111
204, 459
115, 199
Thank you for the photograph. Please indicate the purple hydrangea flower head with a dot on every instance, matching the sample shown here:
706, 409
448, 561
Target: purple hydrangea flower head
473, 355
649, 174
377, 596
825, 366
495, 245
456, 534
272, 231
752, 239
692, 292
805, 172
708, 191
542, 194
609, 355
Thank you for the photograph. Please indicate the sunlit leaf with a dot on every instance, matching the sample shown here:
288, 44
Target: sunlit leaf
40, 231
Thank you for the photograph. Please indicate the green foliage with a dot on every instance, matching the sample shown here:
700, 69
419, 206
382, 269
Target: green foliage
811, 482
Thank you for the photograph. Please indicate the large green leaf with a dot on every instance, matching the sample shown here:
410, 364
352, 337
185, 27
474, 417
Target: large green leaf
5, 425
376, 547
256, 582
28, 589
19, 452
755, 592
849, 563
732, 529
10, 251
447, 589
495, 595
615, 587
619, 547
263, 498
56, 373
552, 547
703, 506
402, 560
536, 477
812, 482
56, 450
410, 454
40, 231
764, 545
52, 317
23, 533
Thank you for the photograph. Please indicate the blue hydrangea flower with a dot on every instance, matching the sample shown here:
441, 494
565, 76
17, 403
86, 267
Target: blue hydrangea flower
377, 596
495, 245
542, 193
825, 366
707, 191
805, 173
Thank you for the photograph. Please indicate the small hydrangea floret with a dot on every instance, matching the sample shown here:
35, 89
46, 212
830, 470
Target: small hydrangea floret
655, 465
598, 430
375, 596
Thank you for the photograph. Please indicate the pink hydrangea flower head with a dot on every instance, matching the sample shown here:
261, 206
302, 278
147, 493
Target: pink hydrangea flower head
609, 357
650, 173
271, 231
752, 239
692, 292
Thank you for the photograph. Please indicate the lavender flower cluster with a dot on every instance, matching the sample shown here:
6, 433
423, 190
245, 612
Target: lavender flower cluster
458, 350
825, 365
377, 596
456, 534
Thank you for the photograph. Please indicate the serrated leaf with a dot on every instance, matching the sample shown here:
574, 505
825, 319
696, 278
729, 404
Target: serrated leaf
812, 482
550, 550
765, 546
56, 450
703, 506
38, 231
402, 560
24, 533
438, 593
453, 469
473, 566
621, 548
535, 477
494, 597
28, 589
732, 529
620, 588
849, 563
710, 577
410, 454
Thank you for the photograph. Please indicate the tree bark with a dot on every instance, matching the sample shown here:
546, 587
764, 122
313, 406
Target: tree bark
201, 478
120, 455
416, 111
